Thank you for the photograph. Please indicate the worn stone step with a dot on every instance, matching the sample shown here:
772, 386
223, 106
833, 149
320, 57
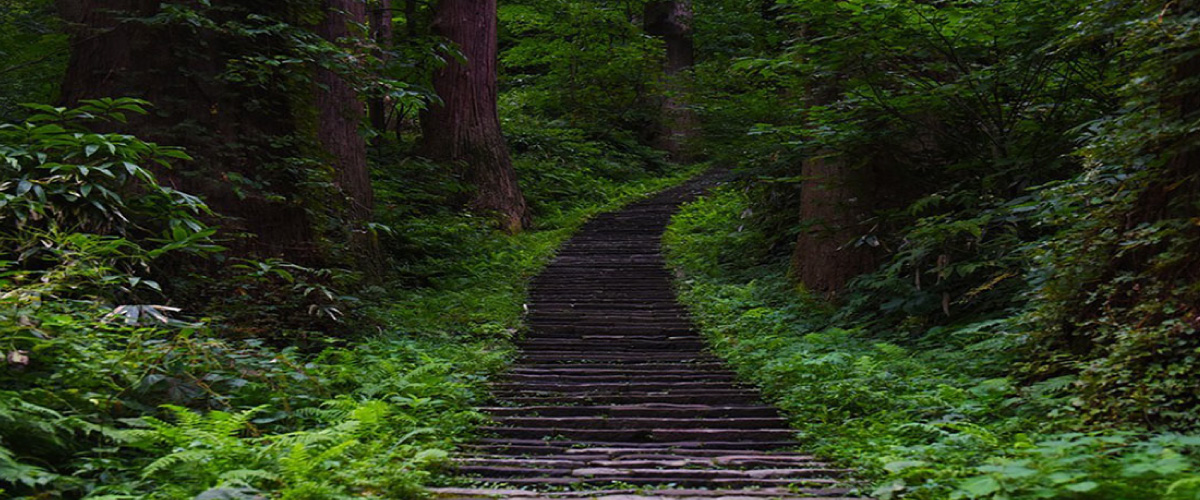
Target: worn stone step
731, 397
824, 485
798, 475
603, 282
613, 387
638, 329
638, 411
620, 377
605, 422
646, 494
602, 319
650, 336
628, 357
624, 366
621, 390
576, 351
641, 435
657, 462
602, 338
605, 301
559, 446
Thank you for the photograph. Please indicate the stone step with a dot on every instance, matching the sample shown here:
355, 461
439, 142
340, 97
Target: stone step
569, 462
646, 494
676, 329
576, 350
570, 356
619, 378
612, 387
601, 338
606, 422
812, 483
641, 435
626, 367
730, 397
638, 411
600, 317
541, 446
799, 475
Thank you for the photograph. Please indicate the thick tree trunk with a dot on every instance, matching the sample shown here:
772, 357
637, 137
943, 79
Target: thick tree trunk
1174, 192
465, 128
105, 50
341, 113
832, 207
381, 32
114, 54
411, 24
672, 20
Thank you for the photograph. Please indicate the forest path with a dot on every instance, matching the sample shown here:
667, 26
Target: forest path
614, 395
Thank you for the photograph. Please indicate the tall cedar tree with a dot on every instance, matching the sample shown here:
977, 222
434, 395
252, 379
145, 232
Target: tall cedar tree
380, 20
341, 113
672, 20
120, 48
835, 198
465, 128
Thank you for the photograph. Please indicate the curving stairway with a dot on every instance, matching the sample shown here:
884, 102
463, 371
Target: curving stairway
614, 395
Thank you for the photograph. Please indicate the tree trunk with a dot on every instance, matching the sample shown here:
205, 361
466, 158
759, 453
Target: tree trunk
410, 18
178, 68
341, 113
832, 208
465, 128
104, 50
672, 20
381, 32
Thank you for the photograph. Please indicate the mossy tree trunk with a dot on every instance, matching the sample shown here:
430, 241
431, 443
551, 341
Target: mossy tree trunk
672, 21
341, 112
380, 21
465, 128
233, 131
834, 202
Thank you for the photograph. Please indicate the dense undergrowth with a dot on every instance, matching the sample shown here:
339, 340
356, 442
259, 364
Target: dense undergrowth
155, 346
940, 414
113, 390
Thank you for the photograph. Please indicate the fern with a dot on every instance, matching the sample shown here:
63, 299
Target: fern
248, 476
178, 460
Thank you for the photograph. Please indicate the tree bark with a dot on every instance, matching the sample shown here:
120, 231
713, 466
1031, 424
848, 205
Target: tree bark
465, 128
672, 20
832, 208
381, 32
177, 68
341, 113
410, 18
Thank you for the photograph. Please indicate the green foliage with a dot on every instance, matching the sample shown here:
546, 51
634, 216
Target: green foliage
1029, 162
587, 63
59, 176
457, 274
943, 415
32, 47
1118, 305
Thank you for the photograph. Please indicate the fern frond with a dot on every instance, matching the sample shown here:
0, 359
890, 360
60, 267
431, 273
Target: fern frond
246, 476
337, 451
177, 460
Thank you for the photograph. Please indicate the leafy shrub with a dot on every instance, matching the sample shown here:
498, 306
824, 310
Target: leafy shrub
942, 413
59, 175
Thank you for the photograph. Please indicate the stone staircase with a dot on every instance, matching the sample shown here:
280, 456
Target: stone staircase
615, 396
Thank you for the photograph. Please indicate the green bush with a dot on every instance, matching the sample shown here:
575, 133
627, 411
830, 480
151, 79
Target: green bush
941, 414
